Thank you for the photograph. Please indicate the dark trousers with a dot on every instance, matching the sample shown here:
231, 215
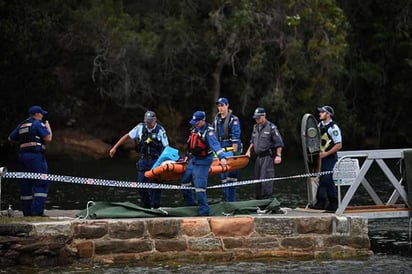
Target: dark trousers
33, 193
150, 197
327, 189
264, 169
197, 172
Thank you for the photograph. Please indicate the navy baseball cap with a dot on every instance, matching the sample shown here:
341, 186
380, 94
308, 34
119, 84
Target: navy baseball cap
149, 116
37, 109
222, 100
197, 116
327, 109
258, 112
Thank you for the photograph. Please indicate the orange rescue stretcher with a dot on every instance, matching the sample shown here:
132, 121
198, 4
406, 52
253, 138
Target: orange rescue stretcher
173, 171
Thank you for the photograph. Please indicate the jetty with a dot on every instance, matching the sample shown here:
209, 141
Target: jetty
352, 169
61, 240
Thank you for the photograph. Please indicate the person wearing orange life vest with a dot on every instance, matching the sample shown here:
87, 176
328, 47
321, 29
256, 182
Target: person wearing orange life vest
202, 142
32, 135
227, 127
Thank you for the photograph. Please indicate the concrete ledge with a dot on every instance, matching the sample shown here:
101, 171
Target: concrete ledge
172, 240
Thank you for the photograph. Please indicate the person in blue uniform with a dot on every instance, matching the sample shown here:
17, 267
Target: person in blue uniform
151, 140
331, 143
267, 144
32, 135
227, 128
202, 142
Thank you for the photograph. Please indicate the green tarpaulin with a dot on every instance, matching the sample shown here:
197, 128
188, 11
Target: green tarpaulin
102, 210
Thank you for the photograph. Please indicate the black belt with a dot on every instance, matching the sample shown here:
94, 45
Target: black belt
31, 151
149, 157
264, 154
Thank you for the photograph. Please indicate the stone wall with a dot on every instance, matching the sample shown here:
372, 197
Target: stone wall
183, 240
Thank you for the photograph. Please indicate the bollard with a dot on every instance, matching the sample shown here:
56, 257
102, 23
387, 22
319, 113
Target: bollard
3, 171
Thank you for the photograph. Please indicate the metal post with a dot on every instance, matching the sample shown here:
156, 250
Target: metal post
3, 171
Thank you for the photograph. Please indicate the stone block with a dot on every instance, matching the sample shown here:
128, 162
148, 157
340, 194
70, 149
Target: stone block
359, 226
170, 245
11, 254
122, 246
317, 225
18, 229
93, 230
297, 243
66, 256
275, 226
344, 252
127, 230
163, 228
195, 227
251, 243
346, 240
37, 244
341, 225
85, 249
262, 254
53, 228
232, 226
213, 257
205, 244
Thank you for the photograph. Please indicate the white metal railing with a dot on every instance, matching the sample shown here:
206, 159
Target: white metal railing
371, 156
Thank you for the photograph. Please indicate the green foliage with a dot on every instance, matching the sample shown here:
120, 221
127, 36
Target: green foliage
85, 60
377, 79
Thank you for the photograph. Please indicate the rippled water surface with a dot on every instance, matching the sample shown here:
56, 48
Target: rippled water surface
375, 264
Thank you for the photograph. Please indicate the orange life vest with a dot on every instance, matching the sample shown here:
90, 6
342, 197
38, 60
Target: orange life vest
198, 145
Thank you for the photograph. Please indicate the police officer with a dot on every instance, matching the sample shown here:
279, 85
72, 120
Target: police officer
267, 144
32, 135
151, 139
331, 143
227, 128
202, 142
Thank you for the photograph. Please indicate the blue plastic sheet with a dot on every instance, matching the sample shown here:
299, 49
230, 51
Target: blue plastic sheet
169, 153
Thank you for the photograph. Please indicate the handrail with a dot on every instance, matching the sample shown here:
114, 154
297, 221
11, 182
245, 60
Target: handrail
371, 156
338, 183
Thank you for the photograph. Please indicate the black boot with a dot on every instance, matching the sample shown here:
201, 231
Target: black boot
320, 204
333, 205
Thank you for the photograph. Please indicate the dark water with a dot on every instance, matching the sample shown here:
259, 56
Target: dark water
389, 237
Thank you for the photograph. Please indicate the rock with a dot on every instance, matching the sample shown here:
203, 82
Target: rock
77, 143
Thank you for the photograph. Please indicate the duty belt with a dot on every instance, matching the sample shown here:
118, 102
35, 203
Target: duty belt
32, 144
264, 154
149, 157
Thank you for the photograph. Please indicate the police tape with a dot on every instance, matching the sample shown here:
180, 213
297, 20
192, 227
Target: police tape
256, 181
89, 181
129, 184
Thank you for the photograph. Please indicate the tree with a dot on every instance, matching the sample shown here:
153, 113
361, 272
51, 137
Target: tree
379, 66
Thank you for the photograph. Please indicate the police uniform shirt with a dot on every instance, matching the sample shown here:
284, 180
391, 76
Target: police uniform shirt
265, 137
137, 132
333, 131
38, 127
